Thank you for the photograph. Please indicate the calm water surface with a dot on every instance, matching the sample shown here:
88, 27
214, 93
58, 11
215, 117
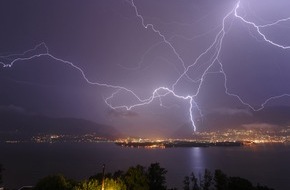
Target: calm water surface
26, 163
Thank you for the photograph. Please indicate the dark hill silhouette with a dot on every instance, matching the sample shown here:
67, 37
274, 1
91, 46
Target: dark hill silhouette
23, 125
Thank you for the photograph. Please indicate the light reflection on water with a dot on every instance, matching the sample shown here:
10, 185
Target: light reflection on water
197, 159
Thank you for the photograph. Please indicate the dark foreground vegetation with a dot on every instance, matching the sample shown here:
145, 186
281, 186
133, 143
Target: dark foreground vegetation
1, 169
151, 178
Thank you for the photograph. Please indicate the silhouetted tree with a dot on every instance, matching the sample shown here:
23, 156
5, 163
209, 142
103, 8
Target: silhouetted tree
186, 183
135, 178
194, 182
237, 183
207, 180
263, 187
55, 182
1, 169
119, 174
221, 180
156, 177
191, 183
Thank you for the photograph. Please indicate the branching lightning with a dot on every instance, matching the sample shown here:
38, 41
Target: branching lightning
257, 27
212, 52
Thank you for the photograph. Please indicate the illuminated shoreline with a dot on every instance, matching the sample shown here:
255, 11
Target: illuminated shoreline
176, 144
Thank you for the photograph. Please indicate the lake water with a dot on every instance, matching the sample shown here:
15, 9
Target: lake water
26, 163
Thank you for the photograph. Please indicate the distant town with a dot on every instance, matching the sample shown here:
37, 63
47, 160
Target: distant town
230, 137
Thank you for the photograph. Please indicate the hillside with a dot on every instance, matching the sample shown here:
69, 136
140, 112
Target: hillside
23, 126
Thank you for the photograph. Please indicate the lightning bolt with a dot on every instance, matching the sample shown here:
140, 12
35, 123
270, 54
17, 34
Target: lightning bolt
212, 53
265, 38
257, 27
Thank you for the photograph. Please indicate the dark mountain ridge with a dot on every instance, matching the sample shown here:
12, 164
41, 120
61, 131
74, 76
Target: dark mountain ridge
23, 125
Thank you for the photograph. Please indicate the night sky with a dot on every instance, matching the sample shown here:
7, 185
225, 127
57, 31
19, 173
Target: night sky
115, 51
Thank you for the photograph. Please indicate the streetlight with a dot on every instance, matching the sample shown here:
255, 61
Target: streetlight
103, 180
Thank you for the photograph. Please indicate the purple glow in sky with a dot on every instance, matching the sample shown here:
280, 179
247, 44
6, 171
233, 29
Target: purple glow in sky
147, 65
